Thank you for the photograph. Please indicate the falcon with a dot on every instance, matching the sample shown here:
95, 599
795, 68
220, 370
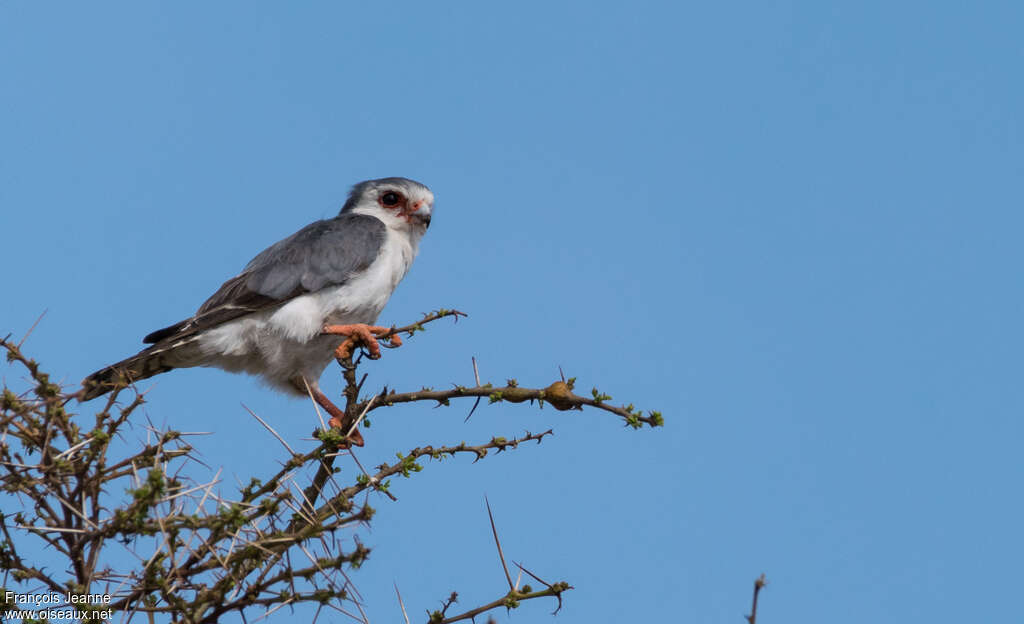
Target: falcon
300, 303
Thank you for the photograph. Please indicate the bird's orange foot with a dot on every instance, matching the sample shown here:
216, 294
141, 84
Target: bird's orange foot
359, 333
354, 439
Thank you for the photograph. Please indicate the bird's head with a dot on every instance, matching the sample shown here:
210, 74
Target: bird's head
398, 202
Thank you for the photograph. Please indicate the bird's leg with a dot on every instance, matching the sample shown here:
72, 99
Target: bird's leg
337, 418
360, 334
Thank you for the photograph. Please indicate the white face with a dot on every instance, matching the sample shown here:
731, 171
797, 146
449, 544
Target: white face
398, 202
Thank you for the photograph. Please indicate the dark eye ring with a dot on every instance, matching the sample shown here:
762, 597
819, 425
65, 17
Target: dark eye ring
389, 199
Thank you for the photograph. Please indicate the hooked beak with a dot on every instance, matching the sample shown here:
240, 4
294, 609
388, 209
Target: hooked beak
420, 213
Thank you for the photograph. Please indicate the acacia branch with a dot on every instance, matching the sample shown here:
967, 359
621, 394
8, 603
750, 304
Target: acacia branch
407, 464
559, 395
412, 328
510, 600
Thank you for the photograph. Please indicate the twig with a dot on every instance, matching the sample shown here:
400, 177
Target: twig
412, 328
759, 584
509, 601
404, 465
370, 479
557, 394
548, 585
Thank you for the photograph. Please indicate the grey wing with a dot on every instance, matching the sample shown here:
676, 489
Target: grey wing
322, 254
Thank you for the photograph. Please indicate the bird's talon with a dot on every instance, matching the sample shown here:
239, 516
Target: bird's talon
356, 334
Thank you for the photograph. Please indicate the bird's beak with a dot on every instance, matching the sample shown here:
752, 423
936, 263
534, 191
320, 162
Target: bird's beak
419, 216
420, 213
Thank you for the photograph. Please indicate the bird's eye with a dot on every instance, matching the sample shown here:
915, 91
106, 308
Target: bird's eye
390, 199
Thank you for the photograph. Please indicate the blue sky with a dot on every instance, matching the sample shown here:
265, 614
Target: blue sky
792, 227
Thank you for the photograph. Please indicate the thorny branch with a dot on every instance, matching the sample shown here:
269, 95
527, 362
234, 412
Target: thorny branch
558, 394
201, 552
512, 599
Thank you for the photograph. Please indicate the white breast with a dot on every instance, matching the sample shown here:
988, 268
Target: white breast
361, 299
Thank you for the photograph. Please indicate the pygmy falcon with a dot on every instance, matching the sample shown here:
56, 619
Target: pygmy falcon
300, 303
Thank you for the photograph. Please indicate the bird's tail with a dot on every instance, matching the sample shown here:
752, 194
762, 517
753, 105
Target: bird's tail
157, 359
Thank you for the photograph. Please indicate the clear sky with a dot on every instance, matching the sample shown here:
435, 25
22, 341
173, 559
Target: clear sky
793, 227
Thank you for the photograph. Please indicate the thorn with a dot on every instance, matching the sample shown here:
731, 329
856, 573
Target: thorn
309, 391
29, 332
401, 604
476, 374
497, 543
270, 429
535, 577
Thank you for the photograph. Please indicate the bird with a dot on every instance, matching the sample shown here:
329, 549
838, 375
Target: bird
303, 301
